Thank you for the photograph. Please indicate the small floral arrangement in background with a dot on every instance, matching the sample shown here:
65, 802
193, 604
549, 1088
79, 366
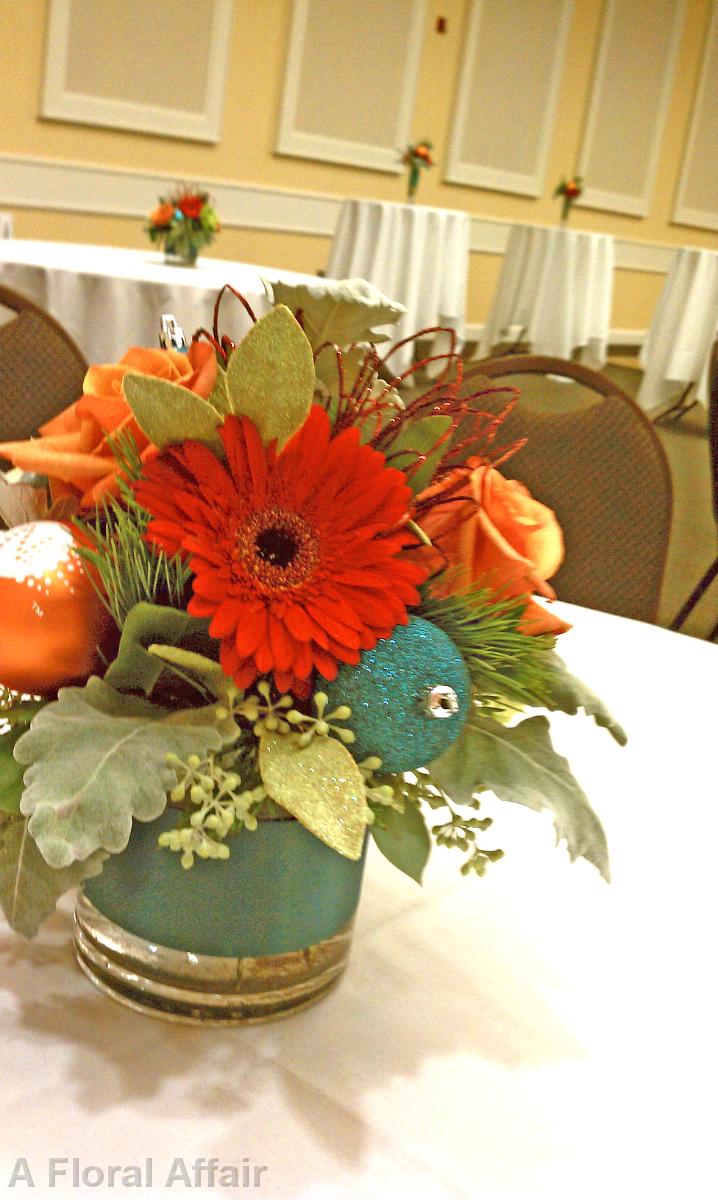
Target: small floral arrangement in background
294, 595
570, 190
417, 158
183, 224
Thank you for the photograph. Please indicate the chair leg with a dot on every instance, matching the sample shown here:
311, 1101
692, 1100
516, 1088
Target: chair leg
713, 633
695, 596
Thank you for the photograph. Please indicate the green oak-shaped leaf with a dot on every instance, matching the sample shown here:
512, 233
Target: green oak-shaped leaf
422, 437
168, 413
565, 693
136, 670
29, 888
518, 763
319, 784
10, 771
403, 838
342, 311
270, 376
95, 759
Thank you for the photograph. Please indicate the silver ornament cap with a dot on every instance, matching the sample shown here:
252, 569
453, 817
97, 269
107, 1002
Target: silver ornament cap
441, 701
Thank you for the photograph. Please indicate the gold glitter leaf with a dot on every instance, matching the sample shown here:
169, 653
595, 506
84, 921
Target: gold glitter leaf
167, 413
319, 784
270, 377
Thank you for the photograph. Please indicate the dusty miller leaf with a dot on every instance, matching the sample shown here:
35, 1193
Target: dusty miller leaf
10, 771
270, 376
29, 888
403, 838
565, 693
340, 311
319, 784
518, 763
95, 760
168, 413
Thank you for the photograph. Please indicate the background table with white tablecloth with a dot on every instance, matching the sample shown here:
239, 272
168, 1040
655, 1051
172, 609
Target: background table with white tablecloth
677, 349
414, 254
554, 291
109, 298
533, 1034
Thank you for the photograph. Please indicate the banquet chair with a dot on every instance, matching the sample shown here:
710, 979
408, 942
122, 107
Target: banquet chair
41, 368
603, 471
702, 586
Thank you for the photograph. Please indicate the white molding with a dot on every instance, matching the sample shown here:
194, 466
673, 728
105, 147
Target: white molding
683, 214
472, 174
78, 187
299, 144
61, 104
615, 201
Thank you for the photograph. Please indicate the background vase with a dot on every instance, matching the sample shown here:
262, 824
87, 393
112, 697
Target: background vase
187, 258
259, 935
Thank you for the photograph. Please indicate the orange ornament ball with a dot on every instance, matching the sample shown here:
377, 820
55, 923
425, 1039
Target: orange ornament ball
51, 619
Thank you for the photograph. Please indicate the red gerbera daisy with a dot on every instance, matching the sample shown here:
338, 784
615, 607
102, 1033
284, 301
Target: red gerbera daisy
296, 555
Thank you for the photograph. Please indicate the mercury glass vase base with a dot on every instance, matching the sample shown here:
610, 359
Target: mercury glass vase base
201, 989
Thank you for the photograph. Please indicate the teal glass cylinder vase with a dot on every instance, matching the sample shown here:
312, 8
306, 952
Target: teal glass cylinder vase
256, 936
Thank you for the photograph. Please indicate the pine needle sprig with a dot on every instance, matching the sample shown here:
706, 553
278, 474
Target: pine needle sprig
507, 667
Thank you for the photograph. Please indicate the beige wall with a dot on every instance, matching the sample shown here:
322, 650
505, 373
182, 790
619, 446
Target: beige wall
245, 153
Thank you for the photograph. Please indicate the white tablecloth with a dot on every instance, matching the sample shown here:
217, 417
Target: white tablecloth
556, 284
110, 298
677, 349
414, 254
536, 1034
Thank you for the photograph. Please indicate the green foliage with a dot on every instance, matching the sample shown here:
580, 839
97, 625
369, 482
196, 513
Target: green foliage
507, 668
134, 668
29, 888
270, 376
95, 759
402, 837
340, 312
130, 571
15, 716
520, 764
168, 413
419, 437
564, 693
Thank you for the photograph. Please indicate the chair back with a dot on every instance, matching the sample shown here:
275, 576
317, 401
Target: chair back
713, 426
41, 368
604, 472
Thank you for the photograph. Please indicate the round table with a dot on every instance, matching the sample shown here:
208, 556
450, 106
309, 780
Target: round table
534, 1034
109, 298
554, 291
415, 254
677, 349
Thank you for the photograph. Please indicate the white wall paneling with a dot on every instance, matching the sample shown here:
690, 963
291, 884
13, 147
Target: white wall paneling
116, 64
508, 88
629, 104
697, 199
350, 82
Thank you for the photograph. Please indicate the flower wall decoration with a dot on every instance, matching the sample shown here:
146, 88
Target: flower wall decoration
417, 158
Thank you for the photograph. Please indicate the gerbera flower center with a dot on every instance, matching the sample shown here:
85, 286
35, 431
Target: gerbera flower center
277, 549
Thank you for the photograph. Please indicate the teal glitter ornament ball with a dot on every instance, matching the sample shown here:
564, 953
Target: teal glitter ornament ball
409, 697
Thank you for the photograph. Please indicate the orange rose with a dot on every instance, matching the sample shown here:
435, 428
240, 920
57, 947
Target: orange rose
494, 532
73, 449
162, 215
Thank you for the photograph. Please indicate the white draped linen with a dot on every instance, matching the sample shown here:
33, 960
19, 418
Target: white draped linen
5, 225
555, 286
414, 254
109, 298
677, 349
536, 1034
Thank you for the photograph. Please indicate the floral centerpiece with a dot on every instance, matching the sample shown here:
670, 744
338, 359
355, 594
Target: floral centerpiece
183, 224
570, 190
417, 158
295, 610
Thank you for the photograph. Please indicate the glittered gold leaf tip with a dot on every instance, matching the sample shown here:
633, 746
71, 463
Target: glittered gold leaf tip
319, 784
168, 413
270, 376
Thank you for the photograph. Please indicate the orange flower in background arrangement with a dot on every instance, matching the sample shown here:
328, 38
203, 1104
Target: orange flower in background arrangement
296, 554
162, 215
73, 449
492, 532
570, 190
